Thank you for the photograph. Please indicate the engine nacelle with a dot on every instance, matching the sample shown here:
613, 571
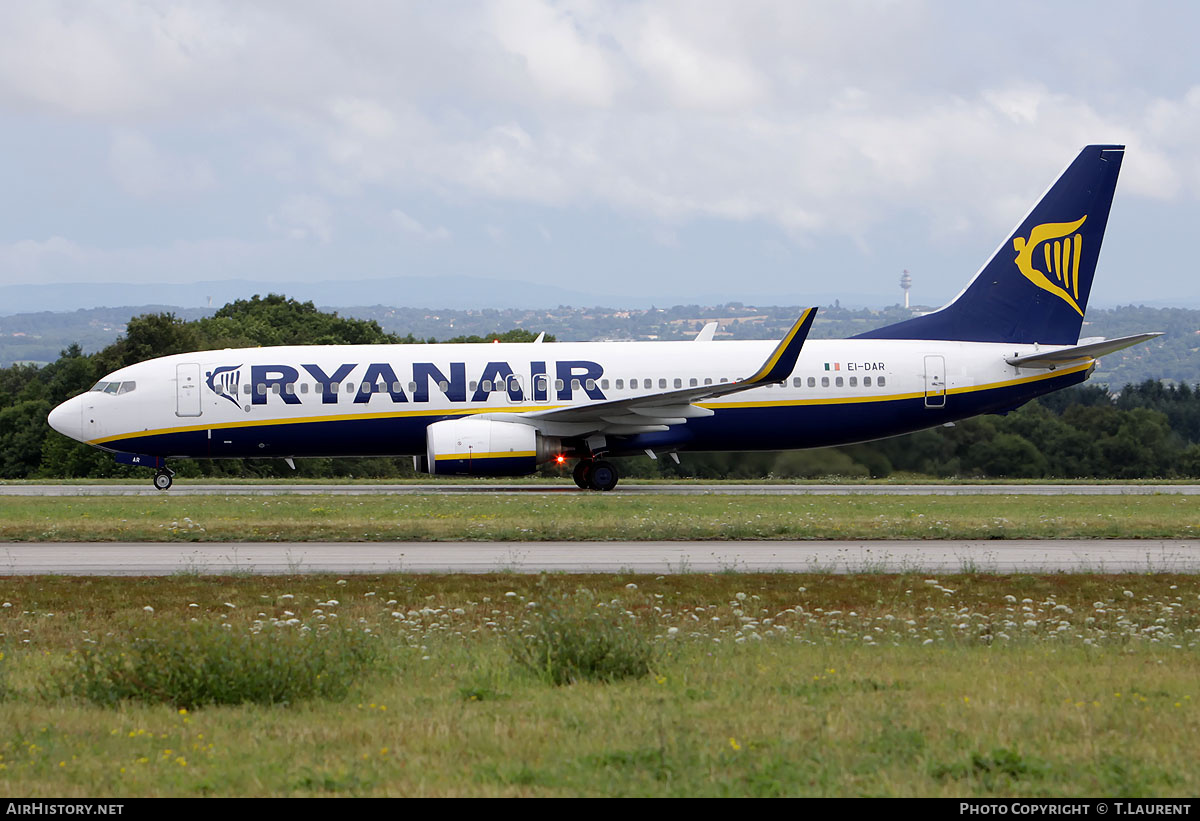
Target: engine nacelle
483, 447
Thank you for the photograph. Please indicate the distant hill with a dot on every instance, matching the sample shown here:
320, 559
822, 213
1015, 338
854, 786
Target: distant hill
39, 337
449, 292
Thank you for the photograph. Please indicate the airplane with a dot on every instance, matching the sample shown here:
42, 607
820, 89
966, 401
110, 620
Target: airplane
1012, 334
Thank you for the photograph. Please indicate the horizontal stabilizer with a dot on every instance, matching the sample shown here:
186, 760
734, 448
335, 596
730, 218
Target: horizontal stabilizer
1076, 353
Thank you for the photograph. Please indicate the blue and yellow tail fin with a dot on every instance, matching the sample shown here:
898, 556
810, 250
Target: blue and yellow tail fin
1035, 287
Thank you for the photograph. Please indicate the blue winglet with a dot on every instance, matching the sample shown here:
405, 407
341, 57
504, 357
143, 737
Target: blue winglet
782, 360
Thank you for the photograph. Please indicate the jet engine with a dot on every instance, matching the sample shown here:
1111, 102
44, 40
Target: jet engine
483, 447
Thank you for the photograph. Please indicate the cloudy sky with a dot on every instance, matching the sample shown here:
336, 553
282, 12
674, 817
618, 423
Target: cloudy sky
689, 148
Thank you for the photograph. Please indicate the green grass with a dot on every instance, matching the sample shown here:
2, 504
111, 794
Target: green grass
202, 664
572, 516
762, 685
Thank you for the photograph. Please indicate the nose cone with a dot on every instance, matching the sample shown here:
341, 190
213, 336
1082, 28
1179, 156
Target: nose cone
67, 418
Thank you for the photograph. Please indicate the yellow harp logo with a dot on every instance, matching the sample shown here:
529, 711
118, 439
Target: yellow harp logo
1061, 256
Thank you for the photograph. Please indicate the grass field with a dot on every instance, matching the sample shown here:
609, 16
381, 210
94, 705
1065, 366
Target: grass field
553, 516
972, 685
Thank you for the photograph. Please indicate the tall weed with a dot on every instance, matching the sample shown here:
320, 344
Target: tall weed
566, 639
203, 664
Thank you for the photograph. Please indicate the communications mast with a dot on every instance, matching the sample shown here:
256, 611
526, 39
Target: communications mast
905, 284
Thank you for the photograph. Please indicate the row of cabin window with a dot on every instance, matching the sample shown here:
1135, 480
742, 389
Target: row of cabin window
588, 384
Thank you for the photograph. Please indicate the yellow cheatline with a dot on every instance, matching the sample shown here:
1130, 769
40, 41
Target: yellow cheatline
854, 400
301, 420
516, 454
467, 412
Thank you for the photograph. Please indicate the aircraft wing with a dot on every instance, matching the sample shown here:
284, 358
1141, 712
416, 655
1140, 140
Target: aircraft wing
1076, 353
658, 411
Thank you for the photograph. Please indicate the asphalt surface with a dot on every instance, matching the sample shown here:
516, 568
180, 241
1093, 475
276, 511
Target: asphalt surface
672, 489
256, 558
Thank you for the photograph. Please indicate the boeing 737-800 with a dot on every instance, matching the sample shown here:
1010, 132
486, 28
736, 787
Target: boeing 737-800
500, 410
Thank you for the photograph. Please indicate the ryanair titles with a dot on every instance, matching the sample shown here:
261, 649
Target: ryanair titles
379, 379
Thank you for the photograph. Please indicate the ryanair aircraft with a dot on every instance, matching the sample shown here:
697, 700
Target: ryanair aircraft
500, 410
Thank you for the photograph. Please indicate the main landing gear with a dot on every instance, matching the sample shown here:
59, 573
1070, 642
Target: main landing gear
164, 478
595, 475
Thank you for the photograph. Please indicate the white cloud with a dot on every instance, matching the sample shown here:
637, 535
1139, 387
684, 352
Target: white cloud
414, 228
304, 217
819, 120
144, 170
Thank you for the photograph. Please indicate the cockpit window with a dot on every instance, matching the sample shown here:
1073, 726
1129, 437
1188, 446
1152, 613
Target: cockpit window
114, 388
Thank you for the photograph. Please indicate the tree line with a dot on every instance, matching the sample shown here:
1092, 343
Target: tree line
1149, 430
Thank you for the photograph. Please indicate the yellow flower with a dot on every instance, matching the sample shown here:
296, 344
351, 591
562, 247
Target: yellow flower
733, 743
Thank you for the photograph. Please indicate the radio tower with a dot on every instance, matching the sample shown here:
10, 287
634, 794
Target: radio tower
905, 284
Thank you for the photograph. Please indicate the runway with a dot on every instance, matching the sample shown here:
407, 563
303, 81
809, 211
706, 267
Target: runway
669, 489
257, 558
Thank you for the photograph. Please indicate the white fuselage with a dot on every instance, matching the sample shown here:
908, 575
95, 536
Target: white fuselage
272, 401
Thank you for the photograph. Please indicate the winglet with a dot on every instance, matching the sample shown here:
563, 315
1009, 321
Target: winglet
783, 359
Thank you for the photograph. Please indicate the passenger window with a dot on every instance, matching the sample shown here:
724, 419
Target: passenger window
854, 381
590, 384
824, 381
262, 390
290, 389
443, 386
662, 383
866, 381
723, 380
487, 386
558, 385
303, 387
881, 382
575, 385
797, 382
412, 387
837, 381
678, 382
692, 382
620, 384
471, 385
275, 389
708, 380
349, 387
246, 389
647, 383
396, 387
812, 381
603, 384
